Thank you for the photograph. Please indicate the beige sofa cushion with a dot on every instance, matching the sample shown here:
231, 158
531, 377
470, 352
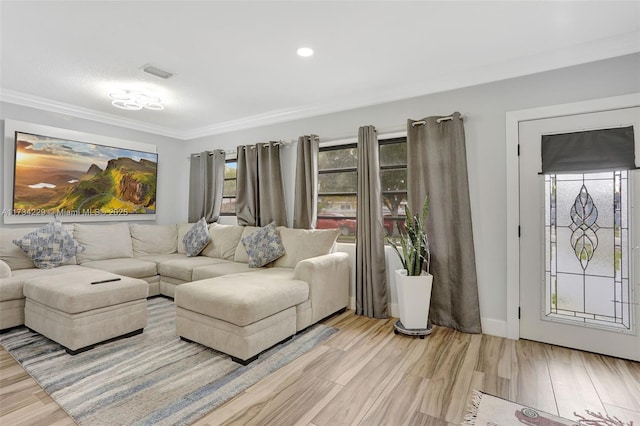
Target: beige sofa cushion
241, 299
153, 239
220, 269
11, 253
241, 254
159, 258
5, 270
11, 288
103, 241
301, 244
76, 293
182, 268
128, 266
224, 241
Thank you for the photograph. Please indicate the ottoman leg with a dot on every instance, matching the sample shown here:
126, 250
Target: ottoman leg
244, 361
86, 348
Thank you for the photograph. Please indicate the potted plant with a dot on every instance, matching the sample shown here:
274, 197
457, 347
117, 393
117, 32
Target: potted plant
414, 282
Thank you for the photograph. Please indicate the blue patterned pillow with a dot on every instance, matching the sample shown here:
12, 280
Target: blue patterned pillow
197, 238
49, 246
263, 246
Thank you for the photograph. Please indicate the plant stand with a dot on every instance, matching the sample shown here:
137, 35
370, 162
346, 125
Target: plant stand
398, 328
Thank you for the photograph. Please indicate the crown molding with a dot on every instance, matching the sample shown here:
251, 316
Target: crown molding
560, 58
32, 101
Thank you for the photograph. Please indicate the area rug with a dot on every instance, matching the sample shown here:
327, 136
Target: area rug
153, 378
489, 410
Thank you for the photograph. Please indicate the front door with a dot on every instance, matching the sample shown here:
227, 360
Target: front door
578, 243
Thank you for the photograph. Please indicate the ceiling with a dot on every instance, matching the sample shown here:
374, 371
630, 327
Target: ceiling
235, 64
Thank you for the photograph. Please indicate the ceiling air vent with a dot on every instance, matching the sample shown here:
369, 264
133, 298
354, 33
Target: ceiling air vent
156, 71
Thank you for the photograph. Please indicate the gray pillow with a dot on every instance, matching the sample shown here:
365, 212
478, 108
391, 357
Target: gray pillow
263, 246
197, 238
49, 246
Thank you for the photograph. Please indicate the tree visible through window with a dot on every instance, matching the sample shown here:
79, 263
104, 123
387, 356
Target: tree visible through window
337, 187
229, 191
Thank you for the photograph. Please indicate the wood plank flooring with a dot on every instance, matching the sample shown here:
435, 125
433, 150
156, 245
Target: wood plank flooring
366, 375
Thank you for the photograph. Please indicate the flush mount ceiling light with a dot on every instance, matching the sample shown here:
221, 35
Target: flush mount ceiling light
134, 100
305, 52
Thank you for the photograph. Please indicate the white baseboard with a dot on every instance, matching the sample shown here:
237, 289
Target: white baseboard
494, 327
490, 326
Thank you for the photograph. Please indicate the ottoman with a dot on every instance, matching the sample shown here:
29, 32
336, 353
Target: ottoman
241, 314
69, 310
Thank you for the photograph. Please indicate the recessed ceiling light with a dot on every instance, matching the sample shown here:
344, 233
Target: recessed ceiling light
133, 100
305, 52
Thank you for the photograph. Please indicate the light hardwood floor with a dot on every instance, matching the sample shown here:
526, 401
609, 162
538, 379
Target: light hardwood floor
367, 375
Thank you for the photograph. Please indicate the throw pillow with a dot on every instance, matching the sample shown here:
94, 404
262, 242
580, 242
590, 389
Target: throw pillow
197, 238
50, 245
263, 246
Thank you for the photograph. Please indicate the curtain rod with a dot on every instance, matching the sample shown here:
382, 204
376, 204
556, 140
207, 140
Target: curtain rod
234, 151
438, 120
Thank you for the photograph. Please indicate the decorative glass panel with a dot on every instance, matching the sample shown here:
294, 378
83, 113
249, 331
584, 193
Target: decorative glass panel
587, 249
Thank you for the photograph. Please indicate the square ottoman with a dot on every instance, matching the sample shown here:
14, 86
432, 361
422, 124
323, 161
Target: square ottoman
241, 314
71, 311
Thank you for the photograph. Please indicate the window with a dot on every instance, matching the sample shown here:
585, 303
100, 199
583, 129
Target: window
229, 191
337, 187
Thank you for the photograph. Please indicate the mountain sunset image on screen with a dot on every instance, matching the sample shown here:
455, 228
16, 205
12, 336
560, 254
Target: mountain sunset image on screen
54, 175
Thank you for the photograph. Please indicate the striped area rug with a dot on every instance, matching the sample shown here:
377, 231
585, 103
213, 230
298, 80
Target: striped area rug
153, 378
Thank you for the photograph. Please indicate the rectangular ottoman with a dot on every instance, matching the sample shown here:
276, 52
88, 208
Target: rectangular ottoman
69, 310
241, 314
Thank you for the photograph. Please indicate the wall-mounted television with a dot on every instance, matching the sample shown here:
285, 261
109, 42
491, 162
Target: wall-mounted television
58, 176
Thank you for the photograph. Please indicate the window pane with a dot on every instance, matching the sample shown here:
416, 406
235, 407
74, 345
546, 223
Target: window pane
230, 170
393, 154
345, 225
228, 206
586, 240
337, 158
229, 188
338, 182
340, 205
393, 180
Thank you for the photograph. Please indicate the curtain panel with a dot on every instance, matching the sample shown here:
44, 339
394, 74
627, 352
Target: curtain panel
206, 181
306, 192
437, 165
371, 279
259, 185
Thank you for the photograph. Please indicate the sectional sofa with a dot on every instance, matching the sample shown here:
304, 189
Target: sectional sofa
221, 301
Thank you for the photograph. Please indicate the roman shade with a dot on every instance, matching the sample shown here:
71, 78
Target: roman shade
589, 151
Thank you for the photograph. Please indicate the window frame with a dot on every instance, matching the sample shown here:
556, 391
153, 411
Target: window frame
352, 145
226, 161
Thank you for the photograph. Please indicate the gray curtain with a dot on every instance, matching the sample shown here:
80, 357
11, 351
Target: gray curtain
206, 180
259, 186
437, 165
306, 195
371, 280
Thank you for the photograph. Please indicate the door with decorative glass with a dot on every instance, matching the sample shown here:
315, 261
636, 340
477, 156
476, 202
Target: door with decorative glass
580, 230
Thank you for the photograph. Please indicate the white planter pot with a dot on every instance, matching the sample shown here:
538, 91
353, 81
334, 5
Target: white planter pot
414, 297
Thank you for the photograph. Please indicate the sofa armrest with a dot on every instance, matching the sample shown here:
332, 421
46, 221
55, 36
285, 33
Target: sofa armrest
5, 270
328, 279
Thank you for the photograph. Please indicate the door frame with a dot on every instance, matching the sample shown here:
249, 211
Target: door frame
513, 119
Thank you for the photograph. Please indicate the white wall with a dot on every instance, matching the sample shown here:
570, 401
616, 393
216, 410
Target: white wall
484, 108
171, 196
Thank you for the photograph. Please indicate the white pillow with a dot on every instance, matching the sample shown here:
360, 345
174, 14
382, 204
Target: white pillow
153, 239
301, 244
224, 241
103, 242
